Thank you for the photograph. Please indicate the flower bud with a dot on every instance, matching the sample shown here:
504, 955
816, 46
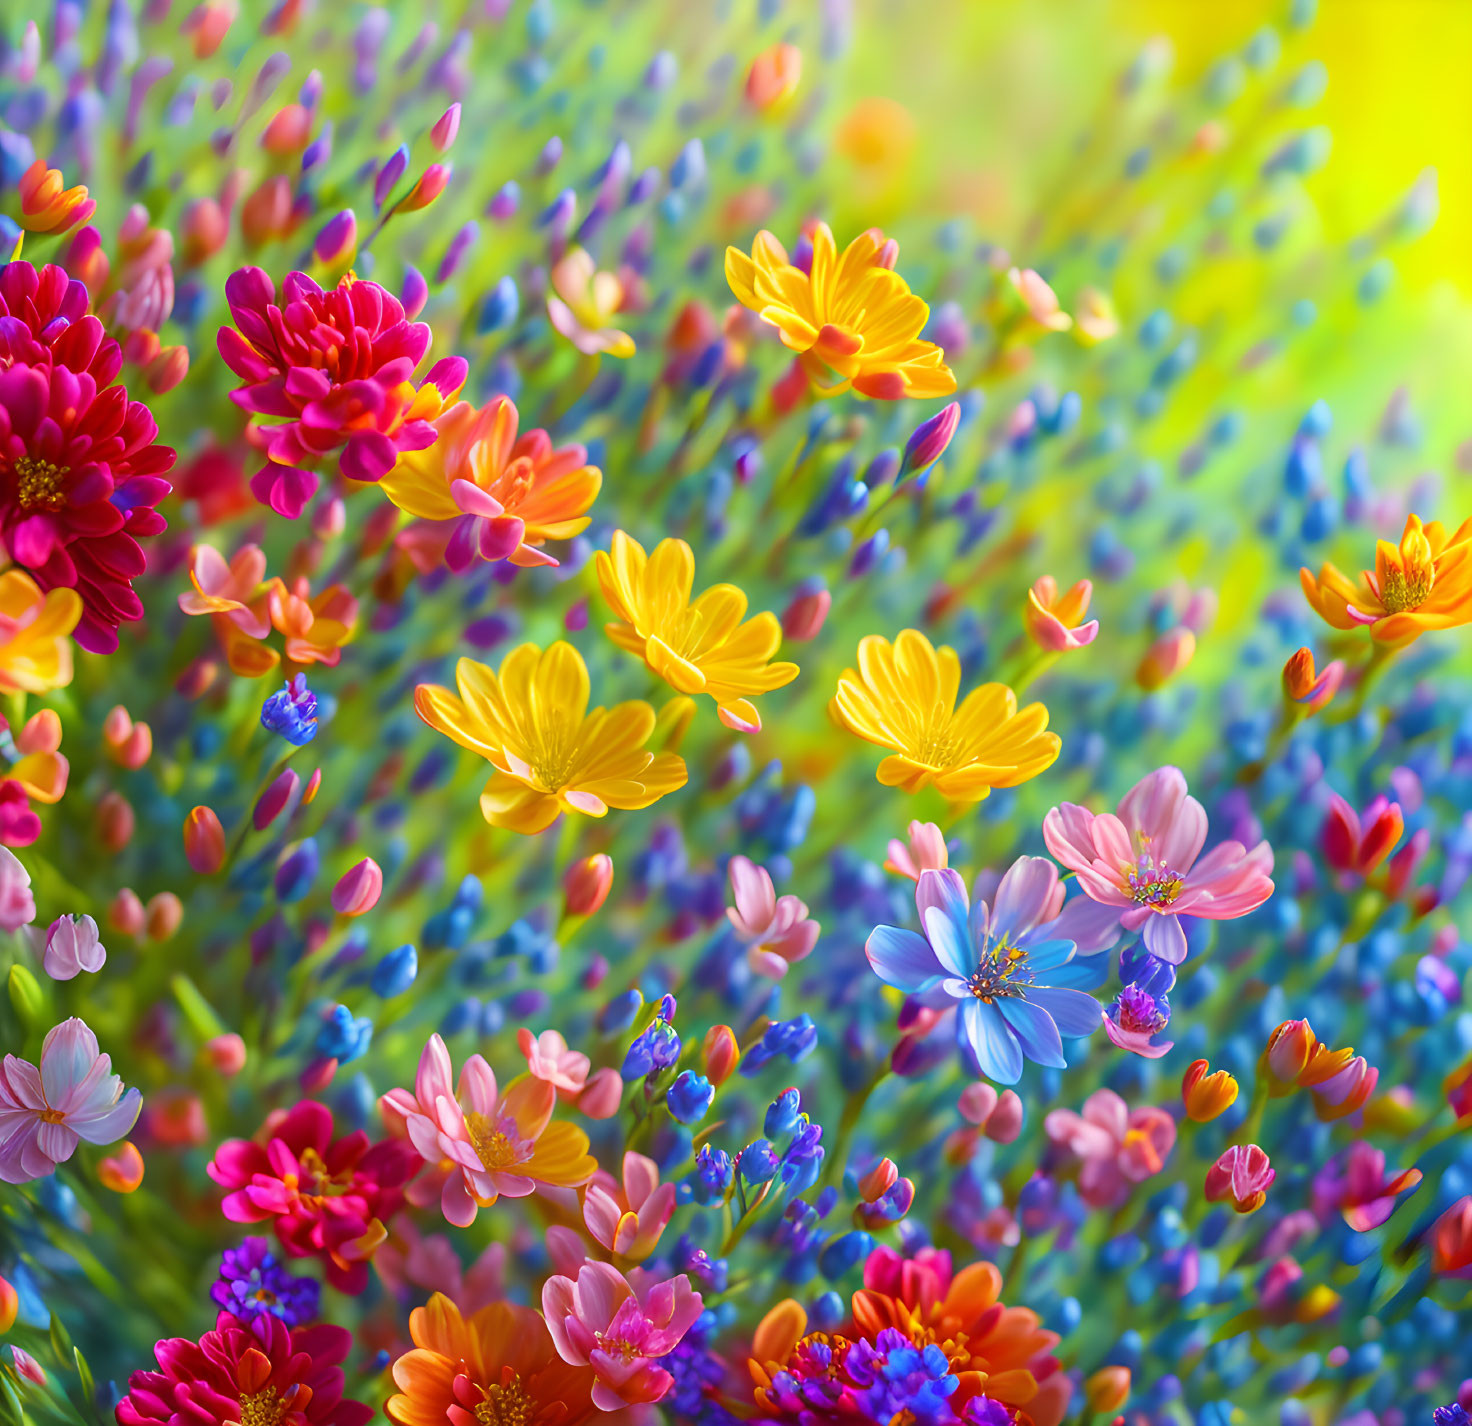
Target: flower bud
227, 1054
203, 231
47, 205
318, 1074
445, 129
122, 1171
806, 614
1345, 1092
9, 1305
720, 1053
878, 1180
166, 370
690, 1097
1290, 1048
1108, 1389
314, 785
27, 1366
1053, 621
395, 973
358, 889
337, 241
773, 78
289, 131
429, 187
586, 885
1242, 1174
1207, 1095
1005, 1121
602, 1094
162, 916
115, 821
204, 841
73, 945
928, 441
128, 743
125, 913
1165, 658
1310, 691
271, 803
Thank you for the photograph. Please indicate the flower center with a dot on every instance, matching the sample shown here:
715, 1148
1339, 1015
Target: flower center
1003, 972
262, 1408
1138, 1010
1152, 885
552, 756
511, 486
52, 1116
38, 484
619, 1347
317, 1180
1406, 589
496, 1141
506, 1402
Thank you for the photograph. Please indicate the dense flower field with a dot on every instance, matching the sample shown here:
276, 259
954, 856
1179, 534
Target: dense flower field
644, 783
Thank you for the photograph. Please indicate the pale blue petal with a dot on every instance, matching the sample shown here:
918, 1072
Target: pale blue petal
1164, 938
902, 959
1047, 957
1074, 1013
1081, 973
1035, 1030
995, 1046
949, 941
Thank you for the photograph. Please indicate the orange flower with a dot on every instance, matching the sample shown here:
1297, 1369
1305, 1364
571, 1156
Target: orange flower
1452, 1240
47, 205
498, 1367
1424, 584
1207, 1095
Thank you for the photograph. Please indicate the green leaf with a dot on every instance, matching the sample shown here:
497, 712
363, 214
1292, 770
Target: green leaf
61, 1343
197, 1010
28, 998
89, 1383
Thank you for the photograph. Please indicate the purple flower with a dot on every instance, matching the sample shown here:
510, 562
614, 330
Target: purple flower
1007, 969
1134, 1019
253, 1284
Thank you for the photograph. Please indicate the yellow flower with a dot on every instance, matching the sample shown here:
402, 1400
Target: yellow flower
903, 696
583, 303
531, 722
1424, 584
35, 647
852, 314
696, 647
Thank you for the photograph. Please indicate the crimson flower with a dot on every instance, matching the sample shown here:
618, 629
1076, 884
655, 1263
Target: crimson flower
257, 1373
329, 1197
332, 372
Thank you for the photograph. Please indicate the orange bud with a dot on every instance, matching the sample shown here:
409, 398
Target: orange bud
1290, 1048
773, 78
1108, 1389
1207, 1095
204, 230
167, 369
266, 214
314, 783
1303, 686
878, 1181
586, 884
9, 1305
429, 187
123, 1171
721, 1054
115, 821
162, 916
47, 205
125, 912
289, 131
1165, 658
204, 841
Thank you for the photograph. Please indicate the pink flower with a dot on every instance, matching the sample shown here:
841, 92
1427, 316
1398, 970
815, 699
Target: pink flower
335, 371
411, 1259
1053, 622
27, 1366
629, 1220
73, 1096
1116, 1145
548, 1058
583, 303
998, 1116
232, 590
71, 944
481, 1143
777, 930
1359, 842
599, 1321
925, 851
1354, 1184
1039, 299
1243, 1174
1143, 860
17, 905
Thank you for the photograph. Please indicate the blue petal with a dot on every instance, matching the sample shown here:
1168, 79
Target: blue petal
1081, 973
1035, 1030
994, 1045
1048, 956
1074, 1013
902, 959
949, 941
1165, 938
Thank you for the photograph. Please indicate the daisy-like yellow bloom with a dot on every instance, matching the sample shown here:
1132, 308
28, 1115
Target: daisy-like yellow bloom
530, 721
35, 634
696, 646
903, 696
1425, 583
850, 314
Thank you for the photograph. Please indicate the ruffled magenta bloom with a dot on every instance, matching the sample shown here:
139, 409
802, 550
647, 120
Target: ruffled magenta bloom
599, 1321
777, 929
1117, 1147
1142, 860
333, 372
1134, 1020
328, 1198
1354, 1184
1009, 970
45, 1113
1243, 1174
80, 471
253, 1373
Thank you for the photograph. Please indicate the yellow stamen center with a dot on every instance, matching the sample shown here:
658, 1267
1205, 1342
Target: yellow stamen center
506, 1403
262, 1408
38, 484
495, 1148
1406, 588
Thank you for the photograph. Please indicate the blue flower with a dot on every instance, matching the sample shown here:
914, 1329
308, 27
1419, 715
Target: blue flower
292, 712
1005, 970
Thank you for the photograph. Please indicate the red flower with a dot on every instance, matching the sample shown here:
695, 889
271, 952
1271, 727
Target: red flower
79, 470
329, 1197
337, 368
260, 1373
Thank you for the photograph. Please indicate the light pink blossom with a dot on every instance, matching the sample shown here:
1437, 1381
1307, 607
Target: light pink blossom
70, 945
924, 851
17, 904
548, 1058
73, 1096
629, 1219
1144, 861
411, 1259
600, 1321
777, 930
1116, 1146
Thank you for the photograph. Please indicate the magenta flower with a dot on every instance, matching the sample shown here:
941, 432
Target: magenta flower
1134, 1020
629, 1218
1243, 1174
777, 930
599, 1321
336, 371
1144, 861
73, 1096
1354, 1184
1117, 1147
